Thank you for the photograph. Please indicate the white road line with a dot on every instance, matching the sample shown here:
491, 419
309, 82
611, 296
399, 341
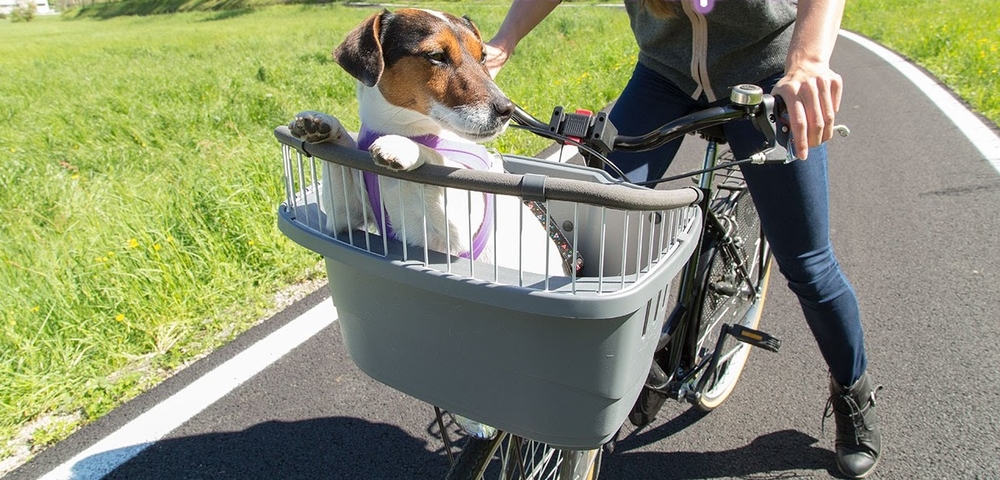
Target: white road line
143, 431
981, 136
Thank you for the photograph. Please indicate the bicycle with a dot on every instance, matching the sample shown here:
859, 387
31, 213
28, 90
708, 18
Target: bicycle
581, 347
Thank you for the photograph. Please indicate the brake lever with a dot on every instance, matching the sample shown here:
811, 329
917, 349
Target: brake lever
783, 131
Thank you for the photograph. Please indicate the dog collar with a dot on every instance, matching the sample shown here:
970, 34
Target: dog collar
471, 155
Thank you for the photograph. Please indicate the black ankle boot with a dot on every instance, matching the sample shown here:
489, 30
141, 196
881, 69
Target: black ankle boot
858, 443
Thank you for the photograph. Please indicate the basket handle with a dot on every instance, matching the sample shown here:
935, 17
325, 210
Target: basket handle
536, 187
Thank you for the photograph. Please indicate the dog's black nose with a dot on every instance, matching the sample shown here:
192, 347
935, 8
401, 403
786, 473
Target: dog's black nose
503, 107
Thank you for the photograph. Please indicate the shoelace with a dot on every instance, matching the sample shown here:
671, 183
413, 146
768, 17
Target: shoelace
856, 412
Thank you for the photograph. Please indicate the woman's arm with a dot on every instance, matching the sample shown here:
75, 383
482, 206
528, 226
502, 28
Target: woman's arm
523, 16
810, 88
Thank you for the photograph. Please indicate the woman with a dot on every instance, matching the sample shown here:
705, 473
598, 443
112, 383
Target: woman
690, 52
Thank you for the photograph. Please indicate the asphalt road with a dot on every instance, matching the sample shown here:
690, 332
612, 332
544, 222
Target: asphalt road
914, 225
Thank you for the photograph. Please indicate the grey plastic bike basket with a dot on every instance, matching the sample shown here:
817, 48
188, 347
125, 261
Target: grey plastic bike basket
559, 360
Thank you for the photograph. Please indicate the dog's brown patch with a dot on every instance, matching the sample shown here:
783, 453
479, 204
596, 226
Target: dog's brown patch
442, 54
458, 80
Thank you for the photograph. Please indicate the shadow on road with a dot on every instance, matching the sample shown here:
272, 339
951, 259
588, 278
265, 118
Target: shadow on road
346, 447
335, 448
775, 455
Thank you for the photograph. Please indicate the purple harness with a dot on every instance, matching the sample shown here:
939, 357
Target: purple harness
470, 155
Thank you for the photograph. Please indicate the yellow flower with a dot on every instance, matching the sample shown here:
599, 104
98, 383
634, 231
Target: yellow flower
36, 308
156, 247
133, 243
120, 317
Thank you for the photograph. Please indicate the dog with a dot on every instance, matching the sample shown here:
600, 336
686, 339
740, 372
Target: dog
425, 96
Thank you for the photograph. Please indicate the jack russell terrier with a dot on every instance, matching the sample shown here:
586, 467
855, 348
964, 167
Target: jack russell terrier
425, 96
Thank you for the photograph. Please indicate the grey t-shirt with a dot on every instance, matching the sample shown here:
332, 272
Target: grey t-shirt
713, 45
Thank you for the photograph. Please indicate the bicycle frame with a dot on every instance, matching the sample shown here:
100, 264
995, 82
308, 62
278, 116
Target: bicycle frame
676, 373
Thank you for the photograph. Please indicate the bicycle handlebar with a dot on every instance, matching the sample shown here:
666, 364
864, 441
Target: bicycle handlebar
596, 132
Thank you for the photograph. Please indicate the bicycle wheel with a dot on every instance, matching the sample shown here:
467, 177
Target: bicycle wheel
735, 286
512, 457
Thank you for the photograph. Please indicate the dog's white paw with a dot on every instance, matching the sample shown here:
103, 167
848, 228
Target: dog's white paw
316, 127
396, 153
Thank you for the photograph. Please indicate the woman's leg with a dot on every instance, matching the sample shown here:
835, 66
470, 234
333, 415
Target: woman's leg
793, 204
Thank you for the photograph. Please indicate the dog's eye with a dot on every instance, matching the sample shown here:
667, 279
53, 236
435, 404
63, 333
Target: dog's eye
436, 57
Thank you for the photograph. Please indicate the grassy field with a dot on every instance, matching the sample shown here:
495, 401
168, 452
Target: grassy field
957, 41
139, 176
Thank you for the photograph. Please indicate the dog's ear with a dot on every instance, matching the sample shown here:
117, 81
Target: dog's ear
361, 52
472, 26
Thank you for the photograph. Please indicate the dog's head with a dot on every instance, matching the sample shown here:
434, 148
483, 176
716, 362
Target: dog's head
430, 63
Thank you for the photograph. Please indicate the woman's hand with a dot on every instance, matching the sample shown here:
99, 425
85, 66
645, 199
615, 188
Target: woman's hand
812, 93
496, 57
811, 90
521, 18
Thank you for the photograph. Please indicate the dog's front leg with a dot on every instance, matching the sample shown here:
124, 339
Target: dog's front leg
402, 154
342, 197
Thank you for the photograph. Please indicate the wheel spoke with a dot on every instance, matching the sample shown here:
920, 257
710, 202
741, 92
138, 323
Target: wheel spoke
510, 457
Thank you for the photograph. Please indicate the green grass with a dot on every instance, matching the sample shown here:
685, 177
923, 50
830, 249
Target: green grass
139, 177
140, 180
957, 41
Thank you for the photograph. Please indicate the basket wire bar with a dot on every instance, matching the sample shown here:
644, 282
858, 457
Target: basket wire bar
447, 238
399, 197
548, 252
347, 207
316, 190
624, 248
604, 231
423, 220
383, 219
496, 265
576, 241
287, 177
468, 204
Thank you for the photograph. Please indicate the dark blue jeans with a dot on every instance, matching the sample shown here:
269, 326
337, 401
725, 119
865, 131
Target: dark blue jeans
792, 201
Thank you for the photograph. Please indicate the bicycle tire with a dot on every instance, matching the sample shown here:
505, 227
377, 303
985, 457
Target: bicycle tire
718, 304
511, 457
